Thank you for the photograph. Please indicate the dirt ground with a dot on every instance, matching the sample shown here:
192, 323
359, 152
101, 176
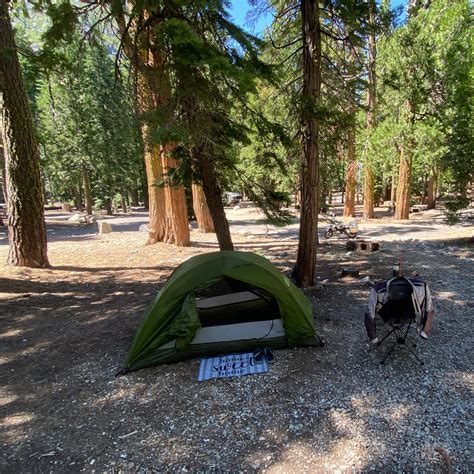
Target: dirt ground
65, 332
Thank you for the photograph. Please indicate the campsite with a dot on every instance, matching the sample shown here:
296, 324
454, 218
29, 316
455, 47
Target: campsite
236, 236
67, 331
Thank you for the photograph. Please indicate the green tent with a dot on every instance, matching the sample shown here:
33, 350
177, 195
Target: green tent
172, 327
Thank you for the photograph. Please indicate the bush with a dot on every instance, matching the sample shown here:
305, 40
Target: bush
453, 209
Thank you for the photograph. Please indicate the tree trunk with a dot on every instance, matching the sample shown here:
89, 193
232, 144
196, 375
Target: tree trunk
26, 227
167, 204
368, 191
108, 207
351, 174
3, 165
87, 191
123, 202
402, 207
134, 197
371, 91
76, 197
393, 189
201, 209
177, 222
144, 187
384, 192
156, 194
432, 190
304, 270
298, 192
351, 178
213, 195
66, 207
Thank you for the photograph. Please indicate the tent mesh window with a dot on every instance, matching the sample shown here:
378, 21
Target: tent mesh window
229, 301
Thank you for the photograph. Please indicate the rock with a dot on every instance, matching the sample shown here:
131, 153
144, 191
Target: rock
243, 232
143, 228
90, 220
105, 228
77, 218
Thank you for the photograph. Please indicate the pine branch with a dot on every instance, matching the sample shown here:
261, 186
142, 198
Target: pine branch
298, 50
331, 35
296, 40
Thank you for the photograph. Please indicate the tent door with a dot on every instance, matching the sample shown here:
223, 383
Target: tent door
236, 308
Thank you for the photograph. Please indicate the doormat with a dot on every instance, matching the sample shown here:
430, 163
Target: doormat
232, 365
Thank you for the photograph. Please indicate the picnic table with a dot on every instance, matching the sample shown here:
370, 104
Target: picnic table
419, 207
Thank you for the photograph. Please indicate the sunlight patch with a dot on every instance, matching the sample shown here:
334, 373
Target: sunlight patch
11, 333
17, 419
6, 399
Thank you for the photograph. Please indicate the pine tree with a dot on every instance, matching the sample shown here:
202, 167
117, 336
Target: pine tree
370, 118
26, 227
303, 272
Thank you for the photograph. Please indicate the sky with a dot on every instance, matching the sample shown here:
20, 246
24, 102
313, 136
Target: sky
239, 9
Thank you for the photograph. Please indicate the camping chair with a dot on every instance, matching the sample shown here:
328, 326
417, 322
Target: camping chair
400, 312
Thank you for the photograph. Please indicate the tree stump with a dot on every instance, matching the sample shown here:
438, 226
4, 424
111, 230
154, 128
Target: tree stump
362, 246
66, 207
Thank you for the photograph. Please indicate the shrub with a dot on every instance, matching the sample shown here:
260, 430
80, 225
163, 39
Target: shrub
453, 209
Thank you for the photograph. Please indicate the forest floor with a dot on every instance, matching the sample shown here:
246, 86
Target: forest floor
65, 331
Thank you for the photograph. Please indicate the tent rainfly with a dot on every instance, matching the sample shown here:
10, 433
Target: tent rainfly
222, 302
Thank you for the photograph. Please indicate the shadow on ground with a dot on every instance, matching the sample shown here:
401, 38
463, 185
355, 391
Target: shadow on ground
65, 335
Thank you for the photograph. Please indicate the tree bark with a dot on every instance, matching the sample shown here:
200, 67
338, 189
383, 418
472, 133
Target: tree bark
304, 270
123, 201
201, 209
351, 178
177, 222
370, 121
87, 191
3, 165
26, 226
108, 207
144, 186
402, 207
210, 185
156, 193
432, 190
77, 197
133, 197
168, 210
393, 189
369, 182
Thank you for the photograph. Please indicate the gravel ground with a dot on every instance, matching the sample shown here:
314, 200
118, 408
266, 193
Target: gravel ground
66, 331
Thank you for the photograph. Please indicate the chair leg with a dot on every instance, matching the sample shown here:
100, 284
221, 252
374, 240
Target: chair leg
410, 341
385, 337
389, 352
415, 354
401, 338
